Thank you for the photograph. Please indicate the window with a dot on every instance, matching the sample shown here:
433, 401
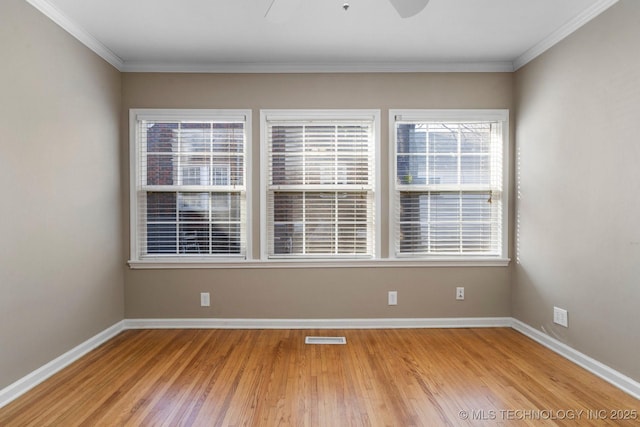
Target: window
319, 187
320, 192
448, 183
188, 177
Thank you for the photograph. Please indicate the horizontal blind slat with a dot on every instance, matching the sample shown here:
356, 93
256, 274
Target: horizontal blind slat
192, 194
448, 187
320, 188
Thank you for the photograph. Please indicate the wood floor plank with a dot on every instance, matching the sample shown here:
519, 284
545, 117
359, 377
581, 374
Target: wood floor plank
389, 377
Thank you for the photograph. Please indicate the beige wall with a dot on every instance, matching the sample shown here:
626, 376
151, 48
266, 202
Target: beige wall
61, 262
578, 248
316, 293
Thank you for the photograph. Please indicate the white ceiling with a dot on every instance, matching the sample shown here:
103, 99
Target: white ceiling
234, 35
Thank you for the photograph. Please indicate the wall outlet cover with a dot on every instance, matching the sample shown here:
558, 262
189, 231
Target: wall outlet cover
205, 300
393, 298
561, 317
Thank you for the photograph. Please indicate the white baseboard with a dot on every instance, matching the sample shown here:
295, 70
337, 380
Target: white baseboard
601, 370
26, 383
29, 381
469, 322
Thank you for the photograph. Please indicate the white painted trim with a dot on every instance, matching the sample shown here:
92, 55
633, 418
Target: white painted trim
562, 32
319, 263
449, 114
377, 185
322, 67
26, 383
380, 323
262, 185
133, 184
78, 32
599, 369
248, 183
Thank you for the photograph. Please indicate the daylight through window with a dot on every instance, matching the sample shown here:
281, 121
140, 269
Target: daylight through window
320, 189
448, 184
190, 185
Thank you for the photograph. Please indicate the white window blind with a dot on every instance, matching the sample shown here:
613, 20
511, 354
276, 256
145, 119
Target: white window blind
190, 184
448, 188
320, 190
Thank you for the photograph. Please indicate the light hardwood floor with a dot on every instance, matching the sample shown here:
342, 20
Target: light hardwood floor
391, 377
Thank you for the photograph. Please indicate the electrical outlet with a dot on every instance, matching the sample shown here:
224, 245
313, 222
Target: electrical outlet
460, 293
205, 300
561, 317
393, 298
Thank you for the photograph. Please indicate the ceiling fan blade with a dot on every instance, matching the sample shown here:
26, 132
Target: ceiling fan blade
281, 10
409, 8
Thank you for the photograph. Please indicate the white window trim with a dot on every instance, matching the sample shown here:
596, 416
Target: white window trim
320, 114
263, 262
501, 115
136, 114
286, 264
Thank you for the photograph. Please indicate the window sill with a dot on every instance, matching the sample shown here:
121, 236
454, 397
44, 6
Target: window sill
376, 263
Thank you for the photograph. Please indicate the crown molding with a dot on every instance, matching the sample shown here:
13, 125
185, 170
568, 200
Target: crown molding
78, 32
321, 67
67, 24
45, 7
562, 32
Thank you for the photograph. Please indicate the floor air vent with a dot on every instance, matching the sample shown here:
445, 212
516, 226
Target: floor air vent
325, 340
